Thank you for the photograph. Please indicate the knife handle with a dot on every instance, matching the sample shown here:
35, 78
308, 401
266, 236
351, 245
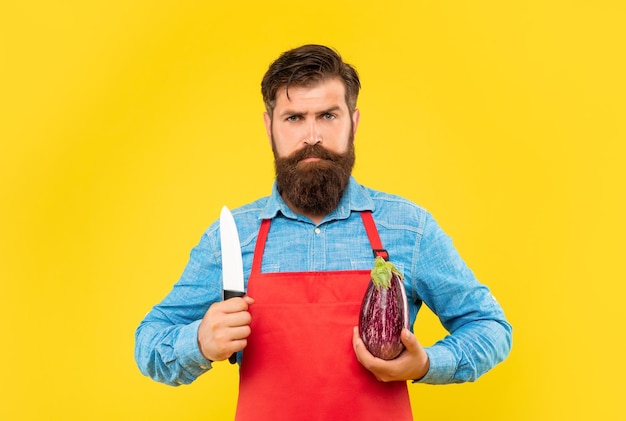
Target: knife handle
232, 294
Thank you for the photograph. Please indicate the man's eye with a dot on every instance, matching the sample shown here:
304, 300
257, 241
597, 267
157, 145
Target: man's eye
329, 116
292, 118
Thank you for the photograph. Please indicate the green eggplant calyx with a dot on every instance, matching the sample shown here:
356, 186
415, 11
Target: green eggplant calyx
383, 272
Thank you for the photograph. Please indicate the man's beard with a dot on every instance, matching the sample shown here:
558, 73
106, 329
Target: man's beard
314, 187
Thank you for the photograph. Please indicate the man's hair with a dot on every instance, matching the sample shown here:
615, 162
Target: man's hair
308, 65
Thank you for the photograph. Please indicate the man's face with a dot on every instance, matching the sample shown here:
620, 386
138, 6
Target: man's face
311, 115
312, 135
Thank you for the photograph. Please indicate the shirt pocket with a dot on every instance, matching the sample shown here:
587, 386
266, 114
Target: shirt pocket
361, 264
368, 264
270, 268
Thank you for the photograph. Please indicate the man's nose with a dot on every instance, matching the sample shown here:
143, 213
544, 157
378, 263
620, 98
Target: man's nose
313, 136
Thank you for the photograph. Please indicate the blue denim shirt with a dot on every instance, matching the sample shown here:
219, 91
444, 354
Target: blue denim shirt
166, 347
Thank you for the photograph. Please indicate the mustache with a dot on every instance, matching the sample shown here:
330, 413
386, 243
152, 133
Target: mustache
314, 151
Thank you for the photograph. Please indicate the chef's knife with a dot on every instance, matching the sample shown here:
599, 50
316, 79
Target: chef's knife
232, 265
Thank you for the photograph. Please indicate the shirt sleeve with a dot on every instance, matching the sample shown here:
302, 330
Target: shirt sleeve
166, 341
479, 334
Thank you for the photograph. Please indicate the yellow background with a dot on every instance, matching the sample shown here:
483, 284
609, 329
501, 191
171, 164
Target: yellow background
126, 125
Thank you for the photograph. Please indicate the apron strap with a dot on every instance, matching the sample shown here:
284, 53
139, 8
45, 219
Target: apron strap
372, 234
370, 229
259, 248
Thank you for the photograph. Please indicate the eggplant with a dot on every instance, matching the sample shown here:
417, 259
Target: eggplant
384, 311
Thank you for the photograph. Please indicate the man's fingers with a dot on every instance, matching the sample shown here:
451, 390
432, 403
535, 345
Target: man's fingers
234, 305
409, 340
240, 318
225, 328
357, 343
355, 335
362, 354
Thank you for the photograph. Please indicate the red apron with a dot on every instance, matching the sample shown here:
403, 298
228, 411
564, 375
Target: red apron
299, 363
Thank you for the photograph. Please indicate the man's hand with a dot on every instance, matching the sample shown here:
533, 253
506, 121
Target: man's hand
224, 328
411, 364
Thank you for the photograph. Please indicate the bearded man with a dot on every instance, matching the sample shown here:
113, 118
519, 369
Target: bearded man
294, 332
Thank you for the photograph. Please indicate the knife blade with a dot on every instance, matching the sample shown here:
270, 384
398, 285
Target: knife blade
232, 264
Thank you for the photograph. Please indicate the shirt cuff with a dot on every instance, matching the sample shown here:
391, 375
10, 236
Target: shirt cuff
188, 351
442, 365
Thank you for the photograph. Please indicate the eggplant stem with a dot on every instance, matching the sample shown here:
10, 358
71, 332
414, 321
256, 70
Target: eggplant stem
383, 272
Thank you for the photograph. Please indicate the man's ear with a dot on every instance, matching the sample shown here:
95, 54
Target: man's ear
267, 119
356, 115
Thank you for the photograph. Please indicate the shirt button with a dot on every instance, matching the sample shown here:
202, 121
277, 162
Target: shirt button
317, 230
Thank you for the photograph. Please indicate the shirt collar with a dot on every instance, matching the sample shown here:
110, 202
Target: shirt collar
355, 198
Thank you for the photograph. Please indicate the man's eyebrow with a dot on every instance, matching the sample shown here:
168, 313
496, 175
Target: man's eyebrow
330, 110
289, 112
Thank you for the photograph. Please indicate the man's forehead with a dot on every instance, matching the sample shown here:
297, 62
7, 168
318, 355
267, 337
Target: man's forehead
327, 90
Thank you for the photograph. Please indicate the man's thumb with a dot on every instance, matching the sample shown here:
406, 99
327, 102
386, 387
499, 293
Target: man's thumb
409, 340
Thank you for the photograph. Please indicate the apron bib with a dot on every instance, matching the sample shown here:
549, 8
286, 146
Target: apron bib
299, 363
